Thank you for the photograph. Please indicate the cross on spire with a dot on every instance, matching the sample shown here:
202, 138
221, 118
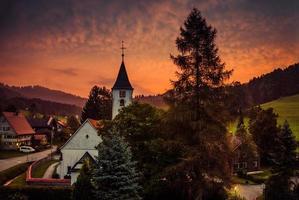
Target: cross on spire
122, 50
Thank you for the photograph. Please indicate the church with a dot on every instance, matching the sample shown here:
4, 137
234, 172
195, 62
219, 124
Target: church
82, 144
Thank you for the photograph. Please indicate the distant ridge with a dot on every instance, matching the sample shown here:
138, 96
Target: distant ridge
43, 93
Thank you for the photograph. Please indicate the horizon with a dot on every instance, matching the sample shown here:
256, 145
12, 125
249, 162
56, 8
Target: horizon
71, 47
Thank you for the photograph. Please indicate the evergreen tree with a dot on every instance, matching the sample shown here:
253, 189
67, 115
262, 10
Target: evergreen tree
73, 123
83, 189
197, 114
98, 105
264, 130
115, 176
284, 158
248, 146
200, 68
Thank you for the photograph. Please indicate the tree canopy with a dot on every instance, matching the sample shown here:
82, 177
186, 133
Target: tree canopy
98, 105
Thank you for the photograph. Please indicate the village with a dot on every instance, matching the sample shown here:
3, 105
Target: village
205, 136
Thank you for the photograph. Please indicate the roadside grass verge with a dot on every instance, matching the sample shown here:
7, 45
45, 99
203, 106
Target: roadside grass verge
5, 154
13, 172
40, 170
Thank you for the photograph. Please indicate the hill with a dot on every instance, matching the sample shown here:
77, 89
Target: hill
10, 97
44, 94
271, 86
288, 109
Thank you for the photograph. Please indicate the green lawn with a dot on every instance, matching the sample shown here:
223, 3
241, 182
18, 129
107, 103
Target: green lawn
41, 169
288, 109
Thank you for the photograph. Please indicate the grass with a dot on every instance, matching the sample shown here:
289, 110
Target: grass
238, 180
19, 181
39, 171
12, 172
5, 154
288, 109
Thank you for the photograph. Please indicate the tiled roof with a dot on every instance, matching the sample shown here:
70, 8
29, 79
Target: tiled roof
122, 81
18, 123
95, 123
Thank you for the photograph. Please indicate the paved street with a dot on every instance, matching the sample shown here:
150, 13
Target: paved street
7, 163
250, 192
50, 170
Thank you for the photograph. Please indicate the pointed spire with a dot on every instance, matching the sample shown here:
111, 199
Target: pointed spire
122, 80
122, 51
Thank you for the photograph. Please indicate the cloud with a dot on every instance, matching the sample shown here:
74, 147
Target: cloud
66, 71
253, 37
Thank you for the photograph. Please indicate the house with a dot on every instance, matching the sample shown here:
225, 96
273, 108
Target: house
43, 126
80, 146
241, 160
15, 130
40, 139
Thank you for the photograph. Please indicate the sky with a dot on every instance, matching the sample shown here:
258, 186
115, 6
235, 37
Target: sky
71, 45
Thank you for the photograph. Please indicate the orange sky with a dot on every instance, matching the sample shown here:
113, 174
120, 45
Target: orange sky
71, 46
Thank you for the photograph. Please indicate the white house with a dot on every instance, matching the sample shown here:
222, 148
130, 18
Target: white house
122, 89
15, 130
81, 145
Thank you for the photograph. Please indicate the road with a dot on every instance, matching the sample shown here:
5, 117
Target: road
7, 163
50, 170
249, 192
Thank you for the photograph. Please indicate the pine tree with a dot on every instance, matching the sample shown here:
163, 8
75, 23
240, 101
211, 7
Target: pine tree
115, 176
248, 146
98, 105
83, 187
284, 156
200, 68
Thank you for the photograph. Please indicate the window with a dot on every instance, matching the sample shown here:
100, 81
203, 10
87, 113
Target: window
87, 136
122, 102
122, 93
69, 169
244, 165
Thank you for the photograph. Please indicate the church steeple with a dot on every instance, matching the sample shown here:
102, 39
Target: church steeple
122, 90
122, 81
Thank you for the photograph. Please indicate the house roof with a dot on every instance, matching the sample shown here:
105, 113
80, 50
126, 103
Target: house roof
40, 122
40, 137
18, 123
122, 81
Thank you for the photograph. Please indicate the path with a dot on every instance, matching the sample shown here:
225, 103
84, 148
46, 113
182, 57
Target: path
249, 192
49, 172
7, 163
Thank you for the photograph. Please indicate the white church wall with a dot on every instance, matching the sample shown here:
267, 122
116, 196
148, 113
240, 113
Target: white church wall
84, 140
116, 100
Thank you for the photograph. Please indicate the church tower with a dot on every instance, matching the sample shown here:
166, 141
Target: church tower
122, 89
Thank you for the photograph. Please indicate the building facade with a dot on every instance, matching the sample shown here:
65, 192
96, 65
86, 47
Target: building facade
82, 144
122, 90
15, 131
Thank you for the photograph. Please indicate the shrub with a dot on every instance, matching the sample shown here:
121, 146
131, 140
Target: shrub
13, 172
36, 193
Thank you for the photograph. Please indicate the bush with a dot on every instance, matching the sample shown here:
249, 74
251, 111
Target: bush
36, 193
13, 172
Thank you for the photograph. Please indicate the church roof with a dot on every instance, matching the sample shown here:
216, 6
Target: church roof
122, 81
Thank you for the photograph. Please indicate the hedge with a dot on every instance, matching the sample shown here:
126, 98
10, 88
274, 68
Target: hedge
13, 172
36, 193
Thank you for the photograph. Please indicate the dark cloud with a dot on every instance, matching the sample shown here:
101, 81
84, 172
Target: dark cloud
69, 71
251, 33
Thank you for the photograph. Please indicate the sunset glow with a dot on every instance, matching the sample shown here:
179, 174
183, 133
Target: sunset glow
71, 45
